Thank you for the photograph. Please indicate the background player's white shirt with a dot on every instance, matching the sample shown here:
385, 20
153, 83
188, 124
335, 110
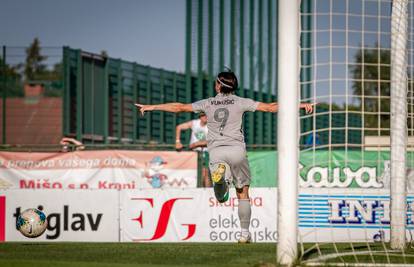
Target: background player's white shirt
224, 118
198, 133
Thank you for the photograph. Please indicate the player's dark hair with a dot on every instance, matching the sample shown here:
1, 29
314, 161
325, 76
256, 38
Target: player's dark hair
228, 81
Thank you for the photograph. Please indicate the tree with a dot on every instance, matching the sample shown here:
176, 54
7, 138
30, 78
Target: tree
371, 85
104, 54
12, 78
34, 68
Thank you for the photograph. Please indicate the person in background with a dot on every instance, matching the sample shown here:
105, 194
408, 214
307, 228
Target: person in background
69, 143
198, 142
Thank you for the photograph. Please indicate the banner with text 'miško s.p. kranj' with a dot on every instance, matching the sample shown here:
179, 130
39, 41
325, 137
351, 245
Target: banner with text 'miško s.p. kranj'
109, 169
113, 169
331, 169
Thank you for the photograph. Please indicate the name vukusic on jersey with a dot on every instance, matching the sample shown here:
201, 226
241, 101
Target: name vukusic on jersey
68, 221
222, 102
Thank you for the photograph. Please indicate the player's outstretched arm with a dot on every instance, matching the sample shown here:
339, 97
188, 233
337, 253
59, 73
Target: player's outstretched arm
169, 107
274, 107
267, 107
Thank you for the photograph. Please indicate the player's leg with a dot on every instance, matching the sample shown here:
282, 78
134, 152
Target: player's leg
204, 170
245, 213
206, 177
241, 180
220, 173
219, 176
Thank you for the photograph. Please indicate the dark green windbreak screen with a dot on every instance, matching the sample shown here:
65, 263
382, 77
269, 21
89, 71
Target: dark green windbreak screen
100, 93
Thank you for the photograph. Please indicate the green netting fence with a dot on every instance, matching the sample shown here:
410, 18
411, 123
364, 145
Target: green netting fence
99, 93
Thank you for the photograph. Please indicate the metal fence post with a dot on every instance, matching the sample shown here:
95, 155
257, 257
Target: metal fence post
135, 97
162, 100
148, 117
120, 101
106, 101
259, 115
188, 79
232, 44
199, 169
79, 96
269, 69
4, 94
199, 92
66, 95
241, 41
221, 38
211, 49
251, 70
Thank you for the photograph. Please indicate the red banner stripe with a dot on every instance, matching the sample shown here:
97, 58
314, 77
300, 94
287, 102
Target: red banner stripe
2, 218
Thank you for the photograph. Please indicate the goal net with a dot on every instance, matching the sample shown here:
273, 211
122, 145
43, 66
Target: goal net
357, 64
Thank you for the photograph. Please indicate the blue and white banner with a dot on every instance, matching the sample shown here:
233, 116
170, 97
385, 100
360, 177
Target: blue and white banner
193, 215
344, 215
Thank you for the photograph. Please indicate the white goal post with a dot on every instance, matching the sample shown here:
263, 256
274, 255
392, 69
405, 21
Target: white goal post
399, 33
287, 131
358, 56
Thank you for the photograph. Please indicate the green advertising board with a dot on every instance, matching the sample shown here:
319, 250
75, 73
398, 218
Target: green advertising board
328, 169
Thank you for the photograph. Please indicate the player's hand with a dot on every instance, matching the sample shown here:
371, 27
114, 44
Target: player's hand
308, 107
178, 146
143, 108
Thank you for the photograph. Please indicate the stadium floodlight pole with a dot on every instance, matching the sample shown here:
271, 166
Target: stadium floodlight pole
287, 131
398, 122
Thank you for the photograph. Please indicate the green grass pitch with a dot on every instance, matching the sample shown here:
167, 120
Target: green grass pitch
182, 254
136, 254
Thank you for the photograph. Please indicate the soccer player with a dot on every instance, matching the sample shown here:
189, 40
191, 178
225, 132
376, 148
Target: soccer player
197, 142
225, 140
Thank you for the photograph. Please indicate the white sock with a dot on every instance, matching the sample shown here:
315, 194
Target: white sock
245, 213
245, 232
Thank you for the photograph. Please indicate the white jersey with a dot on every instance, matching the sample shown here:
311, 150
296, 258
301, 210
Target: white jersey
198, 133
